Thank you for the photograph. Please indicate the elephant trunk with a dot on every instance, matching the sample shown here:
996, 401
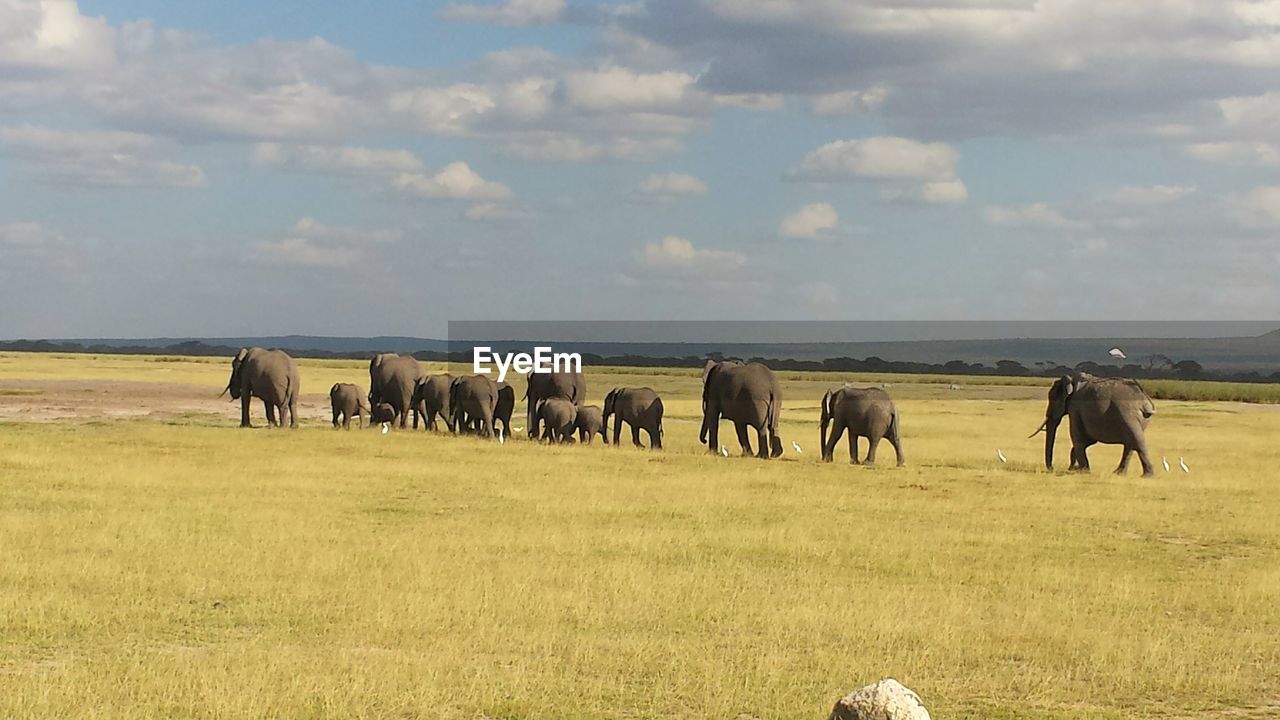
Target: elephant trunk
1051, 429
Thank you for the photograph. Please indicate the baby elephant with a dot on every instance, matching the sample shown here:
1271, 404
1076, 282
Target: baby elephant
559, 419
382, 413
864, 412
590, 422
348, 400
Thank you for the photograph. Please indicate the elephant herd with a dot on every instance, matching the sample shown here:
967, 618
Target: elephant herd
1100, 410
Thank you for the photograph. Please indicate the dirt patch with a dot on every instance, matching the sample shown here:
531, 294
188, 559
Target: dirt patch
98, 400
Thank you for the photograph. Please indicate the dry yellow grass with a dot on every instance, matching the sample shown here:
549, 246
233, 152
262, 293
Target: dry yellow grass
176, 566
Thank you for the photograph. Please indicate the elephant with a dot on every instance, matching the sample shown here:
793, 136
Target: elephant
392, 379
271, 376
571, 386
502, 412
864, 412
473, 399
431, 399
382, 413
560, 417
348, 400
750, 396
1114, 411
589, 423
641, 408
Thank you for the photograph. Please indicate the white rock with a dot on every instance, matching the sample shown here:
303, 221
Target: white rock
885, 700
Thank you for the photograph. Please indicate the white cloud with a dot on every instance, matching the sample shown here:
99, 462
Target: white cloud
811, 221
1033, 215
27, 235
672, 184
336, 160
905, 167
1151, 195
760, 102
451, 110
510, 12
457, 181
849, 102
97, 158
1235, 152
615, 89
1259, 208
679, 255
314, 244
53, 35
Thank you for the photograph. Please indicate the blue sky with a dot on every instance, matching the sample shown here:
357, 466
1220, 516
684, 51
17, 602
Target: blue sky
357, 169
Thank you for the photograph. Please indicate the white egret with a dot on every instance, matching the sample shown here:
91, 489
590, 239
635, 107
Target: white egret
796, 446
724, 451
1183, 464
1000, 455
1165, 462
386, 427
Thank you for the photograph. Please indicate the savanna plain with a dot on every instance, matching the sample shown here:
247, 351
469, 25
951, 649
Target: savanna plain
160, 562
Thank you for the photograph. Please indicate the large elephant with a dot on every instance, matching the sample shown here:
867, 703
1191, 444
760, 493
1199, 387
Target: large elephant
503, 409
1114, 411
559, 418
431, 399
750, 396
392, 379
864, 412
589, 423
269, 375
348, 400
641, 408
473, 399
571, 386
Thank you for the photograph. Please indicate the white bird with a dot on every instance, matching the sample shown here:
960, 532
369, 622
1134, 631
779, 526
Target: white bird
385, 428
516, 429
796, 446
724, 451
1165, 461
1183, 464
1000, 455
501, 440
1116, 353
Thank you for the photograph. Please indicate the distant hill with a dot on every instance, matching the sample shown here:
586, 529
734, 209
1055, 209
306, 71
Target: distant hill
1234, 357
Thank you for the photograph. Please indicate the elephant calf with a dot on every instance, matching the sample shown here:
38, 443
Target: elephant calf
641, 408
864, 412
382, 413
348, 400
431, 400
590, 423
559, 418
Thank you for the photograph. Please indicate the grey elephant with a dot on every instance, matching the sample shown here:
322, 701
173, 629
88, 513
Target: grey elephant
864, 412
1114, 411
392, 379
382, 413
571, 386
269, 375
473, 399
747, 394
641, 408
431, 400
503, 409
348, 400
558, 418
589, 423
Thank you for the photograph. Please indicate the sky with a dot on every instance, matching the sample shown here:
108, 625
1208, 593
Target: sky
247, 168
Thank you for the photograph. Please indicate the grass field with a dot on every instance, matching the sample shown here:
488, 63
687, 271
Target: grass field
159, 562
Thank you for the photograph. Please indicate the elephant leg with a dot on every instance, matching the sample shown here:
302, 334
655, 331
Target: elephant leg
829, 450
873, 441
711, 423
1125, 451
293, 411
635, 436
1082, 456
762, 436
896, 442
1140, 446
655, 437
853, 447
244, 411
346, 421
271, 414
336, 414
743, 440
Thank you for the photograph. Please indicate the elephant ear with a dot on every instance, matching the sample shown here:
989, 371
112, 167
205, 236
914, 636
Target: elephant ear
708, 369
240, 356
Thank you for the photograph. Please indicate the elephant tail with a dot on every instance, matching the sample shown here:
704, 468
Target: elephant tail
893, 427
333, 389
825, 421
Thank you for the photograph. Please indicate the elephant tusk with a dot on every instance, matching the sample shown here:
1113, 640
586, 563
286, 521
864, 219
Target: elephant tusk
1043, 425
225, 390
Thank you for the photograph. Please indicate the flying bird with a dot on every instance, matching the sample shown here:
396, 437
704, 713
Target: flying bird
1166, 463
1117, 353
385, 428
1183, 464
724, 451
1000, 455
796, 446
